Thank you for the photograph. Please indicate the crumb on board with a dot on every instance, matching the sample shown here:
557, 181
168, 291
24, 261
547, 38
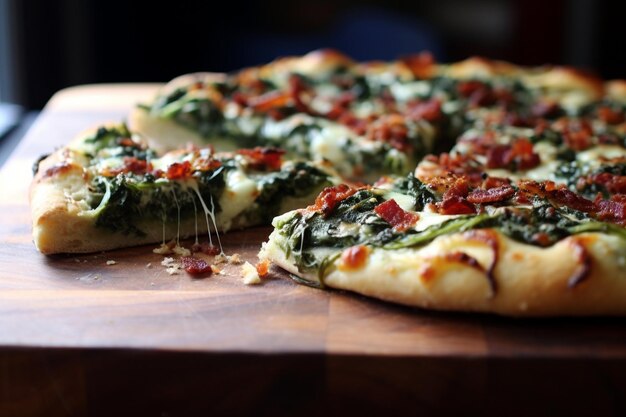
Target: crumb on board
234, 259
111, 262
149, 265
171, 266
215, 269
250, 274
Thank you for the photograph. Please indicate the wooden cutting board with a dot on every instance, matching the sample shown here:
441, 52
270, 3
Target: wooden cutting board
71, 327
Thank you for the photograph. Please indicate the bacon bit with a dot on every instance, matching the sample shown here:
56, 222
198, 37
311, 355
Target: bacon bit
610, 116
478, 93
263, 268
489, 237
357, 125
429, 110
582, 257
126, 142
421, 65
330, 197
390, 128
577, 133
205, 248
491, 195
455, 205
196, 266
206, 164
269, 101
60, 168
297, 88
519, 153
494, 182
354, 258
542, 239
453, 201
558, 194
614, 184
131, 164
263, 158
393, 214
613, 210
548, 109
178, 170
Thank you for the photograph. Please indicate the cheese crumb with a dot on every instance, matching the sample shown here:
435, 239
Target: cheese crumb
250, 274
149, 265
164, 249
111, 262
179, 250
234, 259
215, 269
171, 267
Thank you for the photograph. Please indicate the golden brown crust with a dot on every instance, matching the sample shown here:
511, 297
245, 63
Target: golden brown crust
580, 275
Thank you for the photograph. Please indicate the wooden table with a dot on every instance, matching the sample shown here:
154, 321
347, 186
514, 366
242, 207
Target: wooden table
80, 337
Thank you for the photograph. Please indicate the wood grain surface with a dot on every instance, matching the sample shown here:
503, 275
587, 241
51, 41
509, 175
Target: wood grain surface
75, 331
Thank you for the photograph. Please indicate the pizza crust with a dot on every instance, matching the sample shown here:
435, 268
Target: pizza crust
529, 281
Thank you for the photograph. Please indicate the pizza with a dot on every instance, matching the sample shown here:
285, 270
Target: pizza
108, 189
474, 186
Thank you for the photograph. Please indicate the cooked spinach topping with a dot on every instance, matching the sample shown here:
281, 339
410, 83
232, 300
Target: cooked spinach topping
295, 181
136, 198
354, 222
413, 187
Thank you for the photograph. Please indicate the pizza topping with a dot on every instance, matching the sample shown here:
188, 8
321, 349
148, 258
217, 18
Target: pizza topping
393, 214
179, 170
354, 258
195, 266
330, 197
263, 267
517, 156
263, 158
422, 65
609, 115
429, 110
491, 195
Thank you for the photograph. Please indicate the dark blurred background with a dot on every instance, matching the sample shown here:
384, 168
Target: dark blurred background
49, 45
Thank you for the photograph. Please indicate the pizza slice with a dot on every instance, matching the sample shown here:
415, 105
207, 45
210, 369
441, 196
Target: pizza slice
108, 189
461, 241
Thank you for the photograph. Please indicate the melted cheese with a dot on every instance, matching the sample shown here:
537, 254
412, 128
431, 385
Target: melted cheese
239, 194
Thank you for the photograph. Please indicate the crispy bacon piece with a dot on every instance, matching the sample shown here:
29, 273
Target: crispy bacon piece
422, 65
584, 260
263, 268
179, 170
390, 128
547, 109
131, 164
519, 153
614, 184
263, 158
195, 266
491, 195
330, 197
269, 101
355, 257
357, 125
429, 110
558, 194
577, 133
610, 116
613, 210
393, 214
478, 93
297, 89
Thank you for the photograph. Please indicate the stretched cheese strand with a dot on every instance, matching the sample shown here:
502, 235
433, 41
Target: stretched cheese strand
208, 213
